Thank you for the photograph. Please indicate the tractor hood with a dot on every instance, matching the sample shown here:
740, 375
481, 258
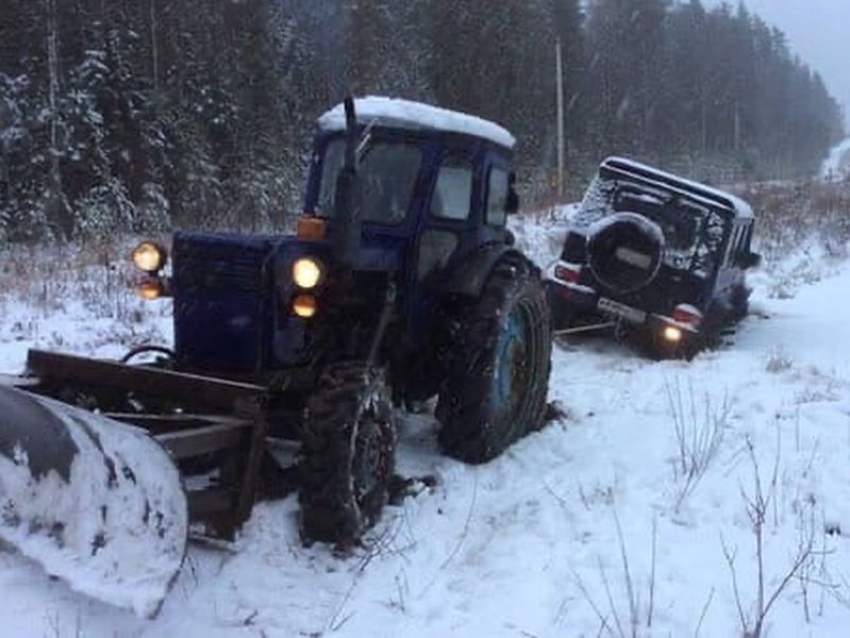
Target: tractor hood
233, 295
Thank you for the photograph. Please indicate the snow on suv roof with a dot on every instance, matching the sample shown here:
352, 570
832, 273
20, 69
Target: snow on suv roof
738, 205
416, 116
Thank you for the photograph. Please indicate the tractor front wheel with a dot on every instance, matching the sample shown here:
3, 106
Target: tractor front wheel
348, 454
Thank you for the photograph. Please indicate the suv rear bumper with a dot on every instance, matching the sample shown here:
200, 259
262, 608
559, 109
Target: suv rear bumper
568, 299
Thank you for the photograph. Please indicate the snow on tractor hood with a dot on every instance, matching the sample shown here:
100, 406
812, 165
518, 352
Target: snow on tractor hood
416, 116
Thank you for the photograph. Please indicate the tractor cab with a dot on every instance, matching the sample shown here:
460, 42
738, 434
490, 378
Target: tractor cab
400, 195
419, 169
432, 187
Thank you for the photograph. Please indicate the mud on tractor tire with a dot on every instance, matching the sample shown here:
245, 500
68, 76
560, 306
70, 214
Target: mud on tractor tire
496, 388
348, 454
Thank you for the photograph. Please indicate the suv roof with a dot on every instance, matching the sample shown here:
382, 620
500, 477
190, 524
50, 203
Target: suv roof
415, 116
653, 176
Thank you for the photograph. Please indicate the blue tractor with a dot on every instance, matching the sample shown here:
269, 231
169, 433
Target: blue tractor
401, 284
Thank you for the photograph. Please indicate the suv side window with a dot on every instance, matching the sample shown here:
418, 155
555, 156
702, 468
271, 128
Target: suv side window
497, 196
732, 249
748, 239
452, 198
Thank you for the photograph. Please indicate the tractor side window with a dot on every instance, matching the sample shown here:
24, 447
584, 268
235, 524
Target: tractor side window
452, 196
386, 177
497, 196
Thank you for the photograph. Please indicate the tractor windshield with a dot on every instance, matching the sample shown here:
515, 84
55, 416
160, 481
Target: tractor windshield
386, 177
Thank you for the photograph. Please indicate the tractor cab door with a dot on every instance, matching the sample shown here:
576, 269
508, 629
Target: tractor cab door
446, 228
466, 208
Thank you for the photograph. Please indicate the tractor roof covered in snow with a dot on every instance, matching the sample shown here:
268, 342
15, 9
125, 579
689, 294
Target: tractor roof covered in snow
415, 116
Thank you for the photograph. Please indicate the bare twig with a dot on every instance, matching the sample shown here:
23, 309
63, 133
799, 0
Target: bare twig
652, 575
617, 628
627, 576
610, 597
460, 541
730, 561
704, 612
603, 620
699, 431
758, 505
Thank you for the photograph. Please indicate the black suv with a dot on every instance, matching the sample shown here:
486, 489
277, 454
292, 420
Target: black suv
658, 256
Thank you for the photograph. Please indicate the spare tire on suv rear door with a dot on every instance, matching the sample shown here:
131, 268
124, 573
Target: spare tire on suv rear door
624, 251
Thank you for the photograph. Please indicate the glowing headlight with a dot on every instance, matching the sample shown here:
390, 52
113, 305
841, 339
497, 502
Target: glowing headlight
306, 273
672, 334
149, 257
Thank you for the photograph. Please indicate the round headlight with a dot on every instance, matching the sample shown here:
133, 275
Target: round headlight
149, 257
306, 273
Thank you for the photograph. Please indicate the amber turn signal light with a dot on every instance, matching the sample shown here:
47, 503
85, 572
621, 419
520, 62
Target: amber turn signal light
150, 289
305, 306
311, 228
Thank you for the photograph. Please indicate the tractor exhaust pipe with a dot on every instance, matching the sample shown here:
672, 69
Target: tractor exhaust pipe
347, 238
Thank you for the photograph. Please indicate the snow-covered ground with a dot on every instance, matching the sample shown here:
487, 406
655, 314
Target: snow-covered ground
607, 516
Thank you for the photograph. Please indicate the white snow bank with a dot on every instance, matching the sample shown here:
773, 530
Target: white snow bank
416, 116
541, 235
527, 544
837, 165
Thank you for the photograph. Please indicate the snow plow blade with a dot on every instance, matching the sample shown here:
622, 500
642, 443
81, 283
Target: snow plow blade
95, 502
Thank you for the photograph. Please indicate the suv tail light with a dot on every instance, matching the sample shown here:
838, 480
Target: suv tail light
687, 314
570, 273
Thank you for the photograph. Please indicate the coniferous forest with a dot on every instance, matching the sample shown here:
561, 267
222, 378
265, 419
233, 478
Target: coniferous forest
139, 115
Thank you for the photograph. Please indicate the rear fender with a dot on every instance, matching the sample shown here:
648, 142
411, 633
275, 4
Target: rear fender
469, 276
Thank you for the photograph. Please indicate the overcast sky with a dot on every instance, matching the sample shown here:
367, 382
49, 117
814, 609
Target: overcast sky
818, 31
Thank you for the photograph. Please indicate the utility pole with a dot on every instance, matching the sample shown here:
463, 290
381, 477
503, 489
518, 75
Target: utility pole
154, 52
57, 211
559, 82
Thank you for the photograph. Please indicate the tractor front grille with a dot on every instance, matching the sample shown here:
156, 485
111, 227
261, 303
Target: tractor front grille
222, 301
219, 267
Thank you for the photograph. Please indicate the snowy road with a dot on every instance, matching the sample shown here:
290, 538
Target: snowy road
525, 545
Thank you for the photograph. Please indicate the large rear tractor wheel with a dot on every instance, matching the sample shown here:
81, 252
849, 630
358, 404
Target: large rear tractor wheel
348, 454
496, 388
